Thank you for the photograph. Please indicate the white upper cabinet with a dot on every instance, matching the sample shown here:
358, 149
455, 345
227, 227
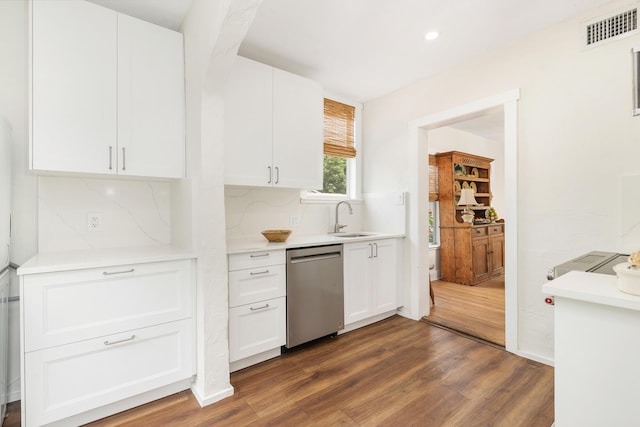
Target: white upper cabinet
273, 128
74, 96
150, 100
107, 92
248, 124
298, 131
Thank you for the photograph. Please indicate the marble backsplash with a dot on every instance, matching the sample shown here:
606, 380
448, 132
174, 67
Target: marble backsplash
251, 210
133, 213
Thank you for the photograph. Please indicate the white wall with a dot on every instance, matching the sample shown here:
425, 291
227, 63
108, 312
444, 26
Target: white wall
576, 135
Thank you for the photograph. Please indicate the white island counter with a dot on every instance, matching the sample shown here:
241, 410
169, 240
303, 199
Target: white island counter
597, 351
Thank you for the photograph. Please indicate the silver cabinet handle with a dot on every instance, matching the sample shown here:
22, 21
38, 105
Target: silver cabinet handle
277, 174
259, 272
110, 157
259, 308
259, 255
110, 273
376, 246
131, 338
124, 159
270, 175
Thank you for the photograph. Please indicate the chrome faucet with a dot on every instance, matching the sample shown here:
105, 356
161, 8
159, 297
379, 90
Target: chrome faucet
337, 227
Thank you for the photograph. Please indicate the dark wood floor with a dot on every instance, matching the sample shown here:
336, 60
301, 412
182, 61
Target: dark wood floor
474, 310
397, 372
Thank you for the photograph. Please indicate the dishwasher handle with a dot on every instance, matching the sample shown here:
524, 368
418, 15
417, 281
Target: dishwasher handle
316, 257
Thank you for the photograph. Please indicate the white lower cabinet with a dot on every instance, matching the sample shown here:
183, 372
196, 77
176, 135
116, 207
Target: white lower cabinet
255, 328
371, 278
96, 337
70, 379
257, 307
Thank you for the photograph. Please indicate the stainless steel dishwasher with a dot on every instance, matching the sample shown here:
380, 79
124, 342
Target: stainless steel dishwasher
315, 295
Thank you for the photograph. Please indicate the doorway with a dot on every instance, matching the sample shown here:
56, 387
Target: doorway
418, 211
476, 310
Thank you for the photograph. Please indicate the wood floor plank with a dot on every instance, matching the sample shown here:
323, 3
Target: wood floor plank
397, 372
474, 310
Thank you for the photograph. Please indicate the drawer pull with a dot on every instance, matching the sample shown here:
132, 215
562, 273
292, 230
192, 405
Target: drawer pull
110, 273
259, 308
256, 273
131, 338
260, 255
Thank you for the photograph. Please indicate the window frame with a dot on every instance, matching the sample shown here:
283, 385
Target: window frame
354, 165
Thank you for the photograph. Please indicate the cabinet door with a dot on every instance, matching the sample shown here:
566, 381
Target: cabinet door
358, 295
67, 380
384, 276
497, 254
480, 256
255, 328
298, 122
150, 100
74, 61
248, 125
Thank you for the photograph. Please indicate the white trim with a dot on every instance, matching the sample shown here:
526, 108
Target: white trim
534, 357
213, 398
418, 178
366, 322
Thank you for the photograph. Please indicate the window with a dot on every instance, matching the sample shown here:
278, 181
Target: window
339, 146
434, 239
434, 235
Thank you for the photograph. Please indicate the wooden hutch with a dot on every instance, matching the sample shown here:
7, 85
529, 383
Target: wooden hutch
469, 253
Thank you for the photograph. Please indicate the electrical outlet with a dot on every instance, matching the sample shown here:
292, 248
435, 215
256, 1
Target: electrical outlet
94, 221
400, 198
294, 220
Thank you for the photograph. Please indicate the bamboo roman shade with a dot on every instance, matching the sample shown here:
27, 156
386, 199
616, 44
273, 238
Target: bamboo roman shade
433, 178
339, 129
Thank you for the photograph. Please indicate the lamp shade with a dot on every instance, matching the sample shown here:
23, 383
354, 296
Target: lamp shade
466, 198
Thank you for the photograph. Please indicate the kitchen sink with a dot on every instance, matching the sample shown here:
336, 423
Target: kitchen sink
359, 234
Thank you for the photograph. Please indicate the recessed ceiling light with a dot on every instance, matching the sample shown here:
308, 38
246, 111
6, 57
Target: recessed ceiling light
431, 35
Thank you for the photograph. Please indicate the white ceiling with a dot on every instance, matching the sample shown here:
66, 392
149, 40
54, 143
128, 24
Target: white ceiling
363, 49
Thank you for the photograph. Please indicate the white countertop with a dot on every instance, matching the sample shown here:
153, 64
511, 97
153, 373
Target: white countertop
93, 258
259, 243
591, 287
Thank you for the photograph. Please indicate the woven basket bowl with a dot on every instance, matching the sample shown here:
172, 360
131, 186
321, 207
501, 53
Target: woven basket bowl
276, 235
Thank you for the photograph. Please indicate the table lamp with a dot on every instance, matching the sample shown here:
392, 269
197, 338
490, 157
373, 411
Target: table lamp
466, 200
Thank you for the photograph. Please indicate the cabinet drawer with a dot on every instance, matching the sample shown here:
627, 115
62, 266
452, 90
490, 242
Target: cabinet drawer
256, 259
495, 229
254, 328
67, 380
478, 231
257, 284
65, 307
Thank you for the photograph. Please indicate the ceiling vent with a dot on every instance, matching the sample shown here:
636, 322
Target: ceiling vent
624, 23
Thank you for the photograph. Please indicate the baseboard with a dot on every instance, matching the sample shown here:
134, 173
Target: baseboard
254, 360
534, 357
13, 396
365, 322
213, 398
